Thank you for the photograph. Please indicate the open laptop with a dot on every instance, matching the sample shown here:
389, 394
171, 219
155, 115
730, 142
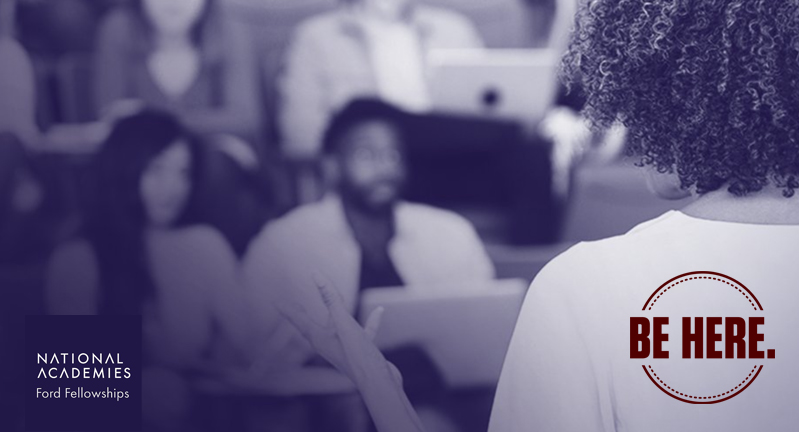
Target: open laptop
465, 329
510, 84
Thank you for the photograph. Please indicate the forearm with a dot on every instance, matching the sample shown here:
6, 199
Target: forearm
225, 120
349, 347
309, 381
382, 391
281, 383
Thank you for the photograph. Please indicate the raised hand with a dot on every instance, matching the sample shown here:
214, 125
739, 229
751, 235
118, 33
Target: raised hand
339, 337
349, 348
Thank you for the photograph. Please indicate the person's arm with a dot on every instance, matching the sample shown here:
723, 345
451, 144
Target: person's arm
548, 382
454, 252
226, 296
267, 277
475, 262
470, 37
240, 111
292, 382
565, 11
18, 107
349, 347
112, 59
303, 111
452, 29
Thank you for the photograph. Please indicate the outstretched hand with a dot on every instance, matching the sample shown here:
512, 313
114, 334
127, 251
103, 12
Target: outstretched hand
349, 347
339, 339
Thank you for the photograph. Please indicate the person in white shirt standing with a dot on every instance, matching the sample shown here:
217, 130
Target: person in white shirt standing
365, 48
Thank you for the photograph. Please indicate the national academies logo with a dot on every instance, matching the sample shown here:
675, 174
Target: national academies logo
83, 373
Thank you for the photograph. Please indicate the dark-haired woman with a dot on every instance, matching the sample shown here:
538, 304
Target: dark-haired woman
140, 253
182, 56
708, 92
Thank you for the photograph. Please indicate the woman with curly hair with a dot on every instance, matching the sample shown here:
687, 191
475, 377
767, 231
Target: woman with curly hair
709, 92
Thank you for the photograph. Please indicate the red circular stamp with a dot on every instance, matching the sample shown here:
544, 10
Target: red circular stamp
702, 337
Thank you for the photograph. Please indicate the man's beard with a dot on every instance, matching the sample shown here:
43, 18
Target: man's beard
358, 199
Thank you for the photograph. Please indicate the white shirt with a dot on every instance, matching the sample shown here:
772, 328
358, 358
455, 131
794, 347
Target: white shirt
569, 369
432, 249
329, 63
398, 63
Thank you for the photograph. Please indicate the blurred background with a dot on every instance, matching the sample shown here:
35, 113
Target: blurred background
422, 153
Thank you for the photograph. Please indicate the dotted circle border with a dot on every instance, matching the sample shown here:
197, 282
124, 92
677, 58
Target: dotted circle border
671, 283
752, 372
651, 305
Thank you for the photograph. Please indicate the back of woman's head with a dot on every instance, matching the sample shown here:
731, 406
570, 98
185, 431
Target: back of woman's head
709, 89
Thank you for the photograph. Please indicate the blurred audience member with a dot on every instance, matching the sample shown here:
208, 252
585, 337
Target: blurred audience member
8, 12
140, 253
182, 56
564, 22
540, 16
237, 191
25, 235
20, 235
364, 236
53, 28
22, 232
367, 48
18, 104
549, 22
21, 238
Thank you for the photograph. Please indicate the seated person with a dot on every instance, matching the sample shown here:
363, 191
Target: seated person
21, 192
181, 56
363, 236
139, 252
8, 14
31, 214
366, 48
25, 234
18, 104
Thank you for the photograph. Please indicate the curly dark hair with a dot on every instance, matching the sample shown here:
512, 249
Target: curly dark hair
707, 88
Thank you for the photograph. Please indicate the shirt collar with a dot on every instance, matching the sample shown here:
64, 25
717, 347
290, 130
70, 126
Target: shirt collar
334, 201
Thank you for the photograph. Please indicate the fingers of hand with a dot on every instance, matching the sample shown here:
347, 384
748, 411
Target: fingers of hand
333, 300
323, 338
373, 322
327, 288
395, 373
299, 318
